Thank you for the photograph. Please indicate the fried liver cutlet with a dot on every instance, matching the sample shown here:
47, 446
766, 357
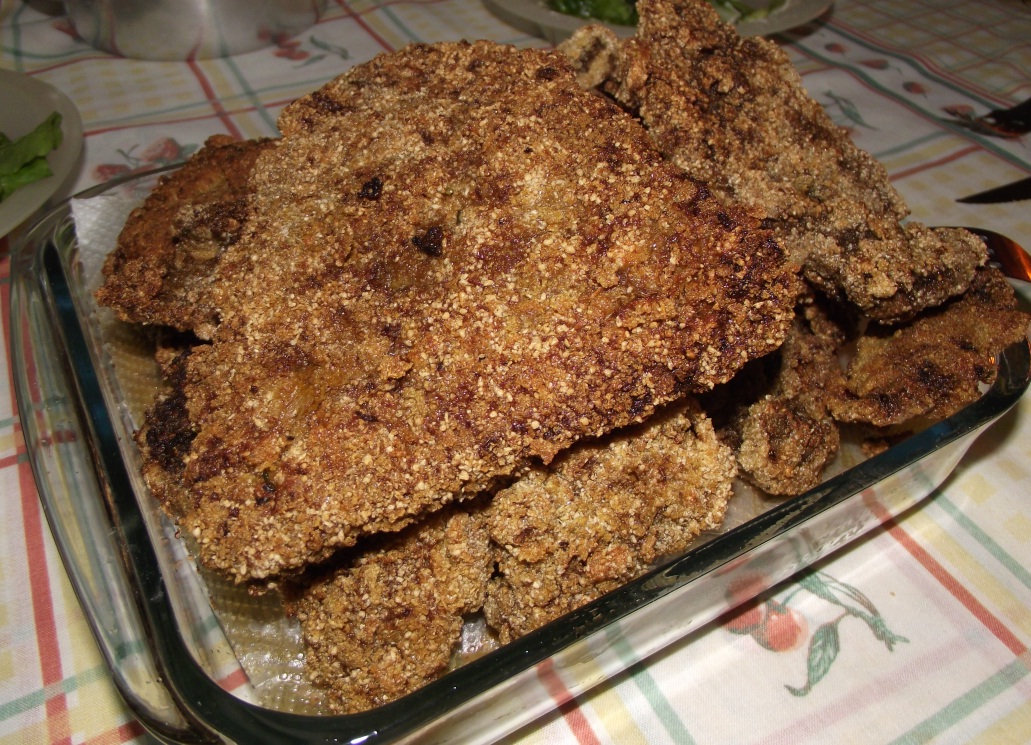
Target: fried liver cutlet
602, 514
387, 621
732, 112
162, 267
458, 263
904, 379
786, 438
387, 615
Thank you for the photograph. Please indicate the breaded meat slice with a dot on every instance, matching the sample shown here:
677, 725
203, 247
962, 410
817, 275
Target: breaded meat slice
908, 378
602, 514
777, 415
162, 265
387, 620
459, 263
732, 112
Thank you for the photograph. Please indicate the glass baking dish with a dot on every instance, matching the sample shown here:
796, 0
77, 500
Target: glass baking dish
171, 635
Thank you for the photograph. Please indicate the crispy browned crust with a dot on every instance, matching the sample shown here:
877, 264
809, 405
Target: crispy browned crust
910, 377
456, 265
161, 269
732, 112
602, 515
166, 436
459, 262
387, 621
386, 618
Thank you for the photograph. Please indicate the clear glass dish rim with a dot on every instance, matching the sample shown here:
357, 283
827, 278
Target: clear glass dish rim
215, 710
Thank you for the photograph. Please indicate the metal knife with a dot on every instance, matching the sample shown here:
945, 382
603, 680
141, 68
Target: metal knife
1013, 192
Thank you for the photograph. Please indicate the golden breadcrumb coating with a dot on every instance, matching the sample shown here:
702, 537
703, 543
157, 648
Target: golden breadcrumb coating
910, 377
161, 269
732, 112
603, 514
387, 621
459, 262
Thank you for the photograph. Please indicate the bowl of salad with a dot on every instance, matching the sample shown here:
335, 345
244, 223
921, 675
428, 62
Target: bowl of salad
556, 20
40, 142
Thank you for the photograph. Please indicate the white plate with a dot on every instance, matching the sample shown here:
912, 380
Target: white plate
535, 18
26, 103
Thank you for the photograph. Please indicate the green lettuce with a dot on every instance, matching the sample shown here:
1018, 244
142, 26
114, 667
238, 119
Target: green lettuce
624, 12
24, 160
620, 12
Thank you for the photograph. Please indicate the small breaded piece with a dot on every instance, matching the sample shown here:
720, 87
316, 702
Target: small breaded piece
784, 448
732, 112
595, 52
786, 439
459, 263
387, 621
603, 514
161, 268
907, 378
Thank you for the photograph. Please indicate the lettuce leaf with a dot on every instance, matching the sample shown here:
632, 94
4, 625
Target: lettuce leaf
23, 161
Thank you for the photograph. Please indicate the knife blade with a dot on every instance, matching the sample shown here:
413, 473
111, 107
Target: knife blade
1012, 192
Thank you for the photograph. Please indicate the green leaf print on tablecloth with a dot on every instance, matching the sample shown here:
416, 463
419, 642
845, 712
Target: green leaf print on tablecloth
778, 627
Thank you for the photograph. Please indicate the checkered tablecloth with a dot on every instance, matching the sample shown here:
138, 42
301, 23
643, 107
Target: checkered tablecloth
950, 581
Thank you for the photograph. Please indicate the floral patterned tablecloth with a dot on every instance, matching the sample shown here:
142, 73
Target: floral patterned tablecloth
917, 633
